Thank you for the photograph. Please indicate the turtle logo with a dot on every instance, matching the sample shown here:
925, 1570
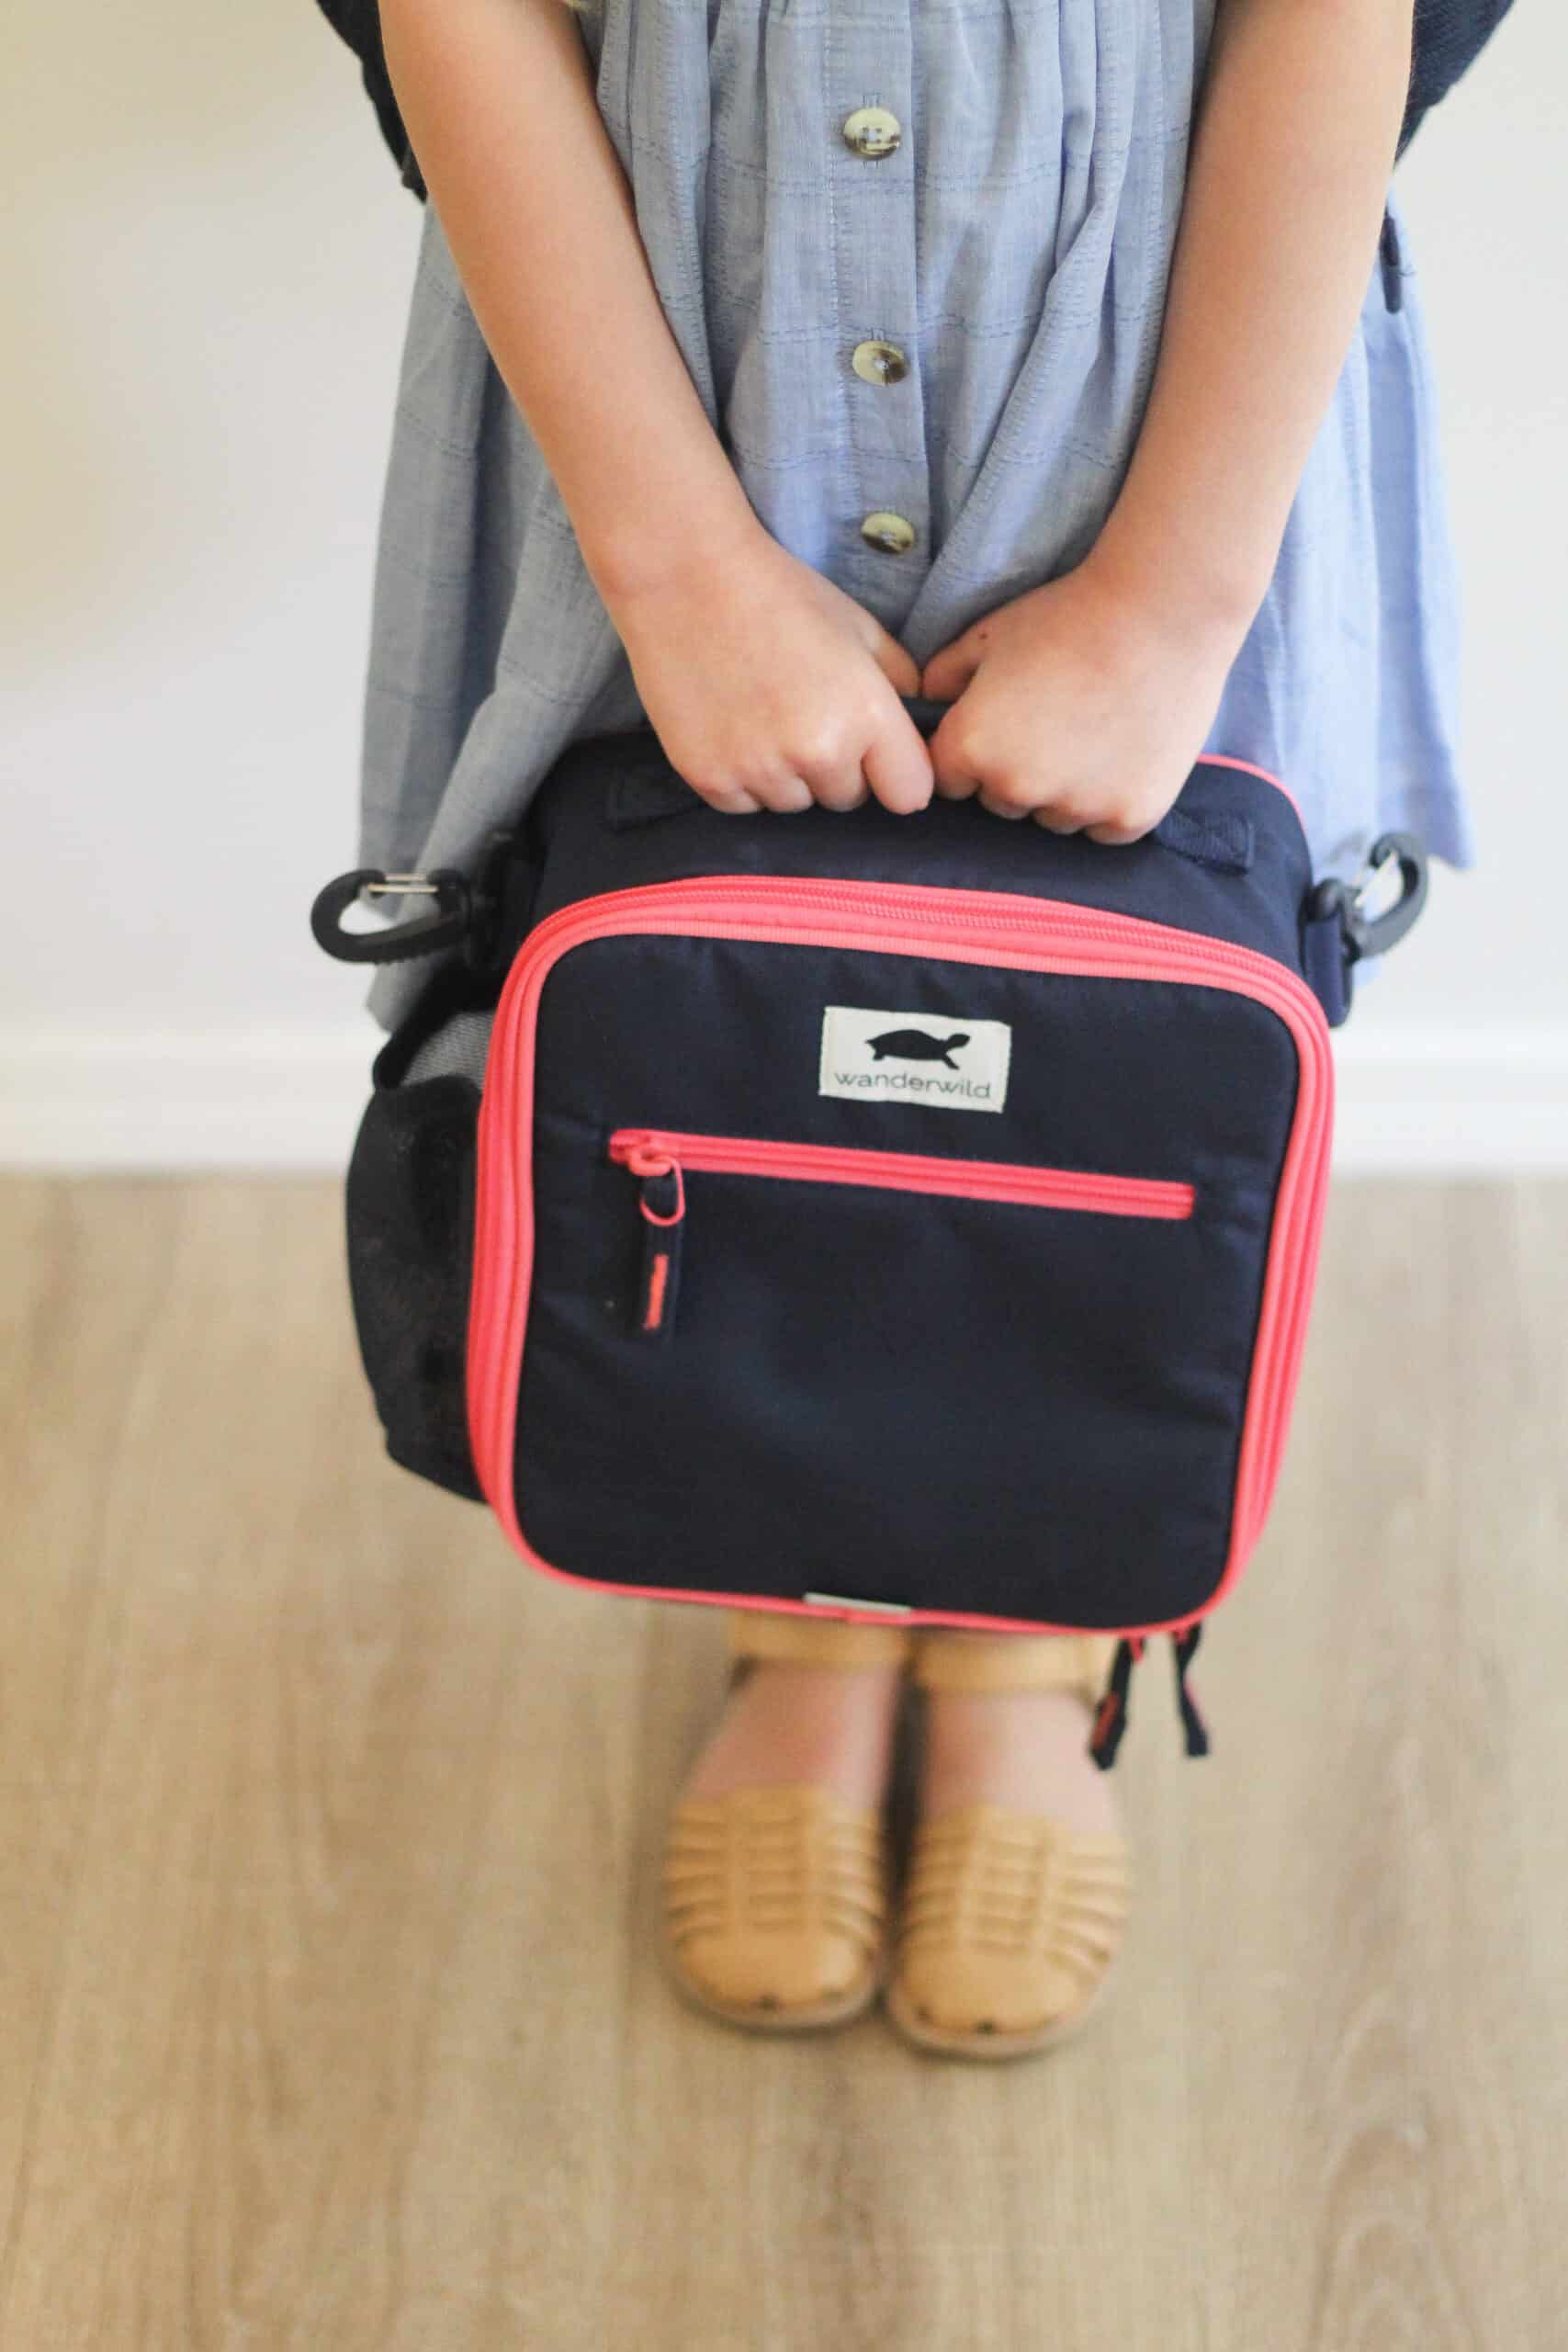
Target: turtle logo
895, 1053
918, 1045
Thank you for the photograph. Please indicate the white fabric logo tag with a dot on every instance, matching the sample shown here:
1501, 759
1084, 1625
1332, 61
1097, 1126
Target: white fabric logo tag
913, 1058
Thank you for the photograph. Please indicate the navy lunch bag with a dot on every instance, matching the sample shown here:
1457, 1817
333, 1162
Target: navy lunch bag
855, 1214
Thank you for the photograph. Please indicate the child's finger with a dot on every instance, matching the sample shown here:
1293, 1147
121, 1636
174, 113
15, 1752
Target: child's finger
841, 792
1061, 820
950, 776
1117, 836
998, 806
898, 767
786, 795
735, 803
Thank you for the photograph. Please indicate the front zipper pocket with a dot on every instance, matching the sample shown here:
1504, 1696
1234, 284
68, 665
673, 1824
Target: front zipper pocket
658, 1157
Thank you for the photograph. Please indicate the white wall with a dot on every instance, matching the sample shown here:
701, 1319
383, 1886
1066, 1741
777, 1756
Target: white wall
203, 298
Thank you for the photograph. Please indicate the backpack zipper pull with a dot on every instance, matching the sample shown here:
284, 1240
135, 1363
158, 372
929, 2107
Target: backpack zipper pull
1111, 1716
661, 1197
1182, 1645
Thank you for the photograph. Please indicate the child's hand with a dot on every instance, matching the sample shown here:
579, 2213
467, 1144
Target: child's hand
1077, 705
768, 687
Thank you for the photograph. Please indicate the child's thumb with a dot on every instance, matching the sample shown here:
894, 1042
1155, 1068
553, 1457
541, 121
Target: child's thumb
949, 671
898, 663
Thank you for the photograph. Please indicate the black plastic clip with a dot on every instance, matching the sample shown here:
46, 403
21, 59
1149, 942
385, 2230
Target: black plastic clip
1391, 263
467, 914
1338, 932
447, 921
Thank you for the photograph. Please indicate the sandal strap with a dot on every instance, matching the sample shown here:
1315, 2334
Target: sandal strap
815, 1641
954, 1661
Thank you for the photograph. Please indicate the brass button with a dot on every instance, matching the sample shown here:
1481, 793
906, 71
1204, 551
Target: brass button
891, 532
879, 363
872, 132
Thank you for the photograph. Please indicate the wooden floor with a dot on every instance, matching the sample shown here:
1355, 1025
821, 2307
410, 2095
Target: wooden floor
329, 1851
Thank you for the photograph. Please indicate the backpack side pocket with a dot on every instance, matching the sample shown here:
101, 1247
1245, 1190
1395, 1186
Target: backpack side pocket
408, 1205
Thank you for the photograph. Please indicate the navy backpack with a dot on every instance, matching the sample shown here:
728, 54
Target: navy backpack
855, 1214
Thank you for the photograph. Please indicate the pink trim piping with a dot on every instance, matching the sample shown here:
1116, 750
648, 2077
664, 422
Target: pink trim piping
890, 917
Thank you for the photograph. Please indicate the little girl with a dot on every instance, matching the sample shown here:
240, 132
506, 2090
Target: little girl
1061, 361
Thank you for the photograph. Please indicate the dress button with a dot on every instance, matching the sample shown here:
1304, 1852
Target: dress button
893, 533
879, 363
872, 131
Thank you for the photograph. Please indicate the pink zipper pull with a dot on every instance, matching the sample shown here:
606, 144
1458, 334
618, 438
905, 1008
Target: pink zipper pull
661, 1197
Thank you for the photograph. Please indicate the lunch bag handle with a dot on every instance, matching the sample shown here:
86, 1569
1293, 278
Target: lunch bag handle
480, 918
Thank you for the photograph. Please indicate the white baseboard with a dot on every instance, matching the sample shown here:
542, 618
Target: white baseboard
1479, 1101
286, 1100
1483, 1101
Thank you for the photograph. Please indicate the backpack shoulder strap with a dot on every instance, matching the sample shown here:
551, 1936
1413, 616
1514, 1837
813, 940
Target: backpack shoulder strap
1450, 35
358, 22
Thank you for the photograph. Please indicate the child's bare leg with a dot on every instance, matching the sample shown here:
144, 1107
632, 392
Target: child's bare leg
1021, 1750
788, 1720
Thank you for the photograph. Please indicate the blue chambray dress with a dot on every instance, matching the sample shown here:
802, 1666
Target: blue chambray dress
993, 187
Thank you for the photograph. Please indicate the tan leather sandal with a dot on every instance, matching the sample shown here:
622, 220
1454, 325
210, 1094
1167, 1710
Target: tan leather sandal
1010, 1923
776, 1898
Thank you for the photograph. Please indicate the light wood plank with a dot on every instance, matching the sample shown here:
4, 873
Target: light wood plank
330, 1841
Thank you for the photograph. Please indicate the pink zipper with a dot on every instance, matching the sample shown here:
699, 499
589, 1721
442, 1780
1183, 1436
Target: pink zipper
938, 924
655, 1151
